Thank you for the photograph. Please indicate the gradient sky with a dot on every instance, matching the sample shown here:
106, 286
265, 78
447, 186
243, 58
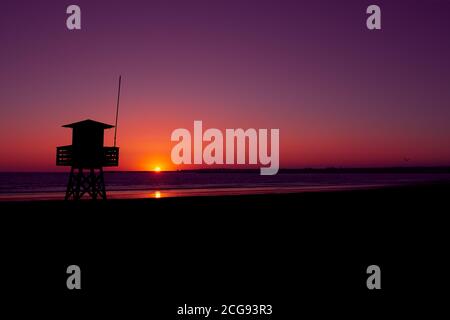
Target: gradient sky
340, 94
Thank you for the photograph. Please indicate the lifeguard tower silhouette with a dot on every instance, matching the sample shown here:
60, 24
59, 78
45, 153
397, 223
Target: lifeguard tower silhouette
87, 156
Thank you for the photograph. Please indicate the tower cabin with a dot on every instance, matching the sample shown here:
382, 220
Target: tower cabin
87, 156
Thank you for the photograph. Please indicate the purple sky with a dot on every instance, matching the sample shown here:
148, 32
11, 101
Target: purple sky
340, 94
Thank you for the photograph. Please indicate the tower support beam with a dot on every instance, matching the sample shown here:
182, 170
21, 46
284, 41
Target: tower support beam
88, 181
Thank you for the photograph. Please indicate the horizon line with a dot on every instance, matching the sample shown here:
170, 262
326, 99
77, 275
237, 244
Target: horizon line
310, 169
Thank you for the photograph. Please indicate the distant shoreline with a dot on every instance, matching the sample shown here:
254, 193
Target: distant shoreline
332, 170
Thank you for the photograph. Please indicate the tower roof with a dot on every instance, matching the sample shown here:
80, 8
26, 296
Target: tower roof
88, 123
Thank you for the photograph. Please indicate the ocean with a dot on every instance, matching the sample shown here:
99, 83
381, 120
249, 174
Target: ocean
52, 186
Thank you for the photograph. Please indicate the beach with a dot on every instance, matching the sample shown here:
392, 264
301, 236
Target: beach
166, 250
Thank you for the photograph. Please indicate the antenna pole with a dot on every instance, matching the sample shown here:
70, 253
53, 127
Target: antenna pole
117, 111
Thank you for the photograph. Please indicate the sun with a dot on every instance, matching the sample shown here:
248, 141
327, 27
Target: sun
157, 169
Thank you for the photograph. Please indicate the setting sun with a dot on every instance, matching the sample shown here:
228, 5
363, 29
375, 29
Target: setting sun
157, 169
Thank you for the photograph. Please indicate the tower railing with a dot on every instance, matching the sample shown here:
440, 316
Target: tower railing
64, 156
110, 156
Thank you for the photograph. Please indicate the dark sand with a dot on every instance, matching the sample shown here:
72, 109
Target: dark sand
305, 251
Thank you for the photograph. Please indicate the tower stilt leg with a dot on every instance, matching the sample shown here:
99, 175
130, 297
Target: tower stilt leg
89, 182
101, 184
70, 185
